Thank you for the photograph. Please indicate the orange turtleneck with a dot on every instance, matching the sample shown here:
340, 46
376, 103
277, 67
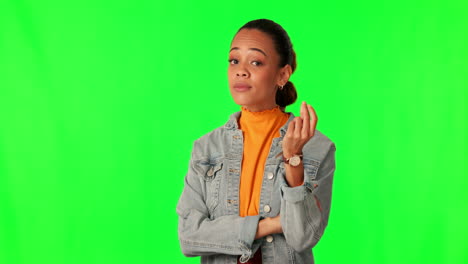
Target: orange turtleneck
259, 129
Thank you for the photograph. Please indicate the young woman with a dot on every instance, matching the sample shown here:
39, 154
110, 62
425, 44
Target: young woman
258, 189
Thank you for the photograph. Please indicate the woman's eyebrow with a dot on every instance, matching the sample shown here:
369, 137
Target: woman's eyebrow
259, 50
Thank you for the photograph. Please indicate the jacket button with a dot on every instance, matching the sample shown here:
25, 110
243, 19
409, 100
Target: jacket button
269, 238
266, 208
270, 175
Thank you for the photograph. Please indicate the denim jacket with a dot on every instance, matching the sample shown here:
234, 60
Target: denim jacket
208, 209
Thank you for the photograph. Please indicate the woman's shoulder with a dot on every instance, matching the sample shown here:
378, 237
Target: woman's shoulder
213, 135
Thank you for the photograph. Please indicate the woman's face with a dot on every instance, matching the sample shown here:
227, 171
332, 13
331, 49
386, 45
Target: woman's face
254, 71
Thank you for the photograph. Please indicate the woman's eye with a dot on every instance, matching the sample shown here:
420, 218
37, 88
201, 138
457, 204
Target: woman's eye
233, 61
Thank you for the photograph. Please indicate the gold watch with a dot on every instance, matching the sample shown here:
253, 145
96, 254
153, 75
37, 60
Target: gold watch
294, 161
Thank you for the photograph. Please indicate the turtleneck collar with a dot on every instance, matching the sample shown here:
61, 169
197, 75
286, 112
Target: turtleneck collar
261, 114
261, 119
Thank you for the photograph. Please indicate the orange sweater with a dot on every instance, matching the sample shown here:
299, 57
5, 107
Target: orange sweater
259, 129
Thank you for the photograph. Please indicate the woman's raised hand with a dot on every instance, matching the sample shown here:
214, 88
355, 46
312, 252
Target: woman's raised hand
300, 130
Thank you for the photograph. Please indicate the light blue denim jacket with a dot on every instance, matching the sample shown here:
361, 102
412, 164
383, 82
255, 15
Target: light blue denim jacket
209, 222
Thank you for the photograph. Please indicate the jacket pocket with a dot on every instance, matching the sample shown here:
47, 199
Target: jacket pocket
212, 172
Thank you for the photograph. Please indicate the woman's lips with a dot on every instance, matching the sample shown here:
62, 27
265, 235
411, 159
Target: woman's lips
241, 87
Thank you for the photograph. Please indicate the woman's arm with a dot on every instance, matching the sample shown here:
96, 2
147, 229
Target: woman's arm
306, 189
305, 209
200, 235
294, 175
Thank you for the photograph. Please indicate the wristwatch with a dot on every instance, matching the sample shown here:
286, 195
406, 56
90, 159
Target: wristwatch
294, 161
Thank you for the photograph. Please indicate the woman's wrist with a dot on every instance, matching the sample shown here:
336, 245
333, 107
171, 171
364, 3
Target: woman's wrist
288, 154
262, 229
295, 175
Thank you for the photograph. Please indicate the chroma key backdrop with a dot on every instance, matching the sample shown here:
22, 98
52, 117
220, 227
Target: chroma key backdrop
101, 101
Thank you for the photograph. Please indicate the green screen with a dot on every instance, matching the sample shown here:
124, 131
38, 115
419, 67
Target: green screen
100, 102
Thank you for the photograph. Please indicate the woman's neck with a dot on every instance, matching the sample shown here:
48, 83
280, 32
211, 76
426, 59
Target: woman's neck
259, 108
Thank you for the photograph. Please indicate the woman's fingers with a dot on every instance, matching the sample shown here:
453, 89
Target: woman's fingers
305, 121
314, 119
300, 130
298, 127
291, 126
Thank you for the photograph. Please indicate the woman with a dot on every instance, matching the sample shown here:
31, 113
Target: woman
258, 189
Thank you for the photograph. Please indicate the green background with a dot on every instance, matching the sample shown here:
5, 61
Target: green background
100, 102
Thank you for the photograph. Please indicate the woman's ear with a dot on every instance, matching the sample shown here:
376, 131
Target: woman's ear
284, 74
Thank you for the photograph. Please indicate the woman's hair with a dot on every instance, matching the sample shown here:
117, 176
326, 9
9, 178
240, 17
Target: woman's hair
283, 45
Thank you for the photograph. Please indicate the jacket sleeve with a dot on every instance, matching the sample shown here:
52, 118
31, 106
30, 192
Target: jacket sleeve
201, 235
305, 209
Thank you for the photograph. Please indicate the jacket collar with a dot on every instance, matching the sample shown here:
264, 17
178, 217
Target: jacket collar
232, 123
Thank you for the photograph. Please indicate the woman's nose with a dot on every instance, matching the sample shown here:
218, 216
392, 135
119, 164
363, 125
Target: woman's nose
242, 73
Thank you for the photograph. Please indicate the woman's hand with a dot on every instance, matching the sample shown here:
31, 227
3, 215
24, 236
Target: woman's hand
300, 130
268, 226
275, 225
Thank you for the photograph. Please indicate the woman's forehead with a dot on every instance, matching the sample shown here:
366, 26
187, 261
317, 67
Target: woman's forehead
252, 39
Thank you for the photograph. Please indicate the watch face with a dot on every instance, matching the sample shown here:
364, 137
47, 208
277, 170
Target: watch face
294, 160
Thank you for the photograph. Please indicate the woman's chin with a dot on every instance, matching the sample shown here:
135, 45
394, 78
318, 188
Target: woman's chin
243, 102
242, 99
